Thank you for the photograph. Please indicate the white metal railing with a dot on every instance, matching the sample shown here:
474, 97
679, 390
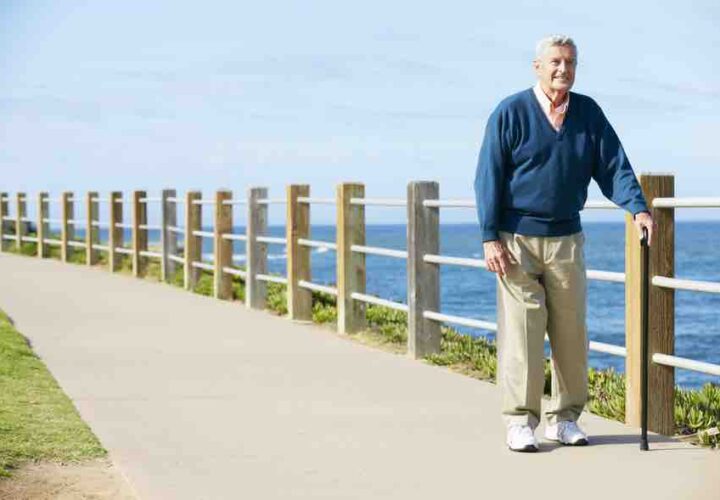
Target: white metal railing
318, 288
234, 237
317, 244
174, 199
370, 299
123, 226
271, 239
176, 258
454, 261
386, 252
123, 250
686, 202
204, 234
469, 203
150, 227
317, 201
148, 253
77, 244
176, 229
678, 284
379, 202
687, 364
203, 265
271, 278
236, 272
234, 202
102, 248
460, 320
203, 202
270, 201
615, 350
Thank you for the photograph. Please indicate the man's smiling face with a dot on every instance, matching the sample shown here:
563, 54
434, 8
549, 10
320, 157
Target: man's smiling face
556, 68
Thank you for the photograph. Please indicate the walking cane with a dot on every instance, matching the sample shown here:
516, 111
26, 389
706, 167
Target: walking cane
644, 322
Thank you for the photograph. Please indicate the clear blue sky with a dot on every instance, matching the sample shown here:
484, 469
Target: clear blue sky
152, 94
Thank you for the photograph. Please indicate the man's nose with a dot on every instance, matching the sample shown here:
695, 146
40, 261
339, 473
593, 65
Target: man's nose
562, 66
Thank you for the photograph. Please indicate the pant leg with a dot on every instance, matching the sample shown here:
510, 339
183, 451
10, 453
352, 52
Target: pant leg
566, 295
522, 320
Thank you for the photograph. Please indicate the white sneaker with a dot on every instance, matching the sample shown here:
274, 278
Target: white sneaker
521, 438
566, 432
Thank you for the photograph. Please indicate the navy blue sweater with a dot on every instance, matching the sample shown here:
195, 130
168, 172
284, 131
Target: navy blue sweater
533, 180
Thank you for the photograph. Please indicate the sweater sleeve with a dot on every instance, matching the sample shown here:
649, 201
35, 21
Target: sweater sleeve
489, 177
613, 172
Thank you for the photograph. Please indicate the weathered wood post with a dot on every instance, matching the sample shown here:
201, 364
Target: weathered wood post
67, 225
661, 306
3, 214
193, 243
116, 235
168, 237
43, 213
139, 233
255, 252
299, 300
350, 265
92, 232
222, 283
423, 288
20, 214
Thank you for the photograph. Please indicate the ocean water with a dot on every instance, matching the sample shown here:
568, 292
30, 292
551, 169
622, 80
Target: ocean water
471, 292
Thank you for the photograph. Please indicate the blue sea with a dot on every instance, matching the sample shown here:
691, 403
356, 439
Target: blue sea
471, 292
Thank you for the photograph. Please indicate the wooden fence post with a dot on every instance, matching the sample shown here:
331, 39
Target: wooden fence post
116, 235
43, 213
92, 232
67, 225
350, 265
193, 243
299, 300
255, 252
661, 318
168, 238
3, 214
139, 233
423, 288
20, 214
223, 249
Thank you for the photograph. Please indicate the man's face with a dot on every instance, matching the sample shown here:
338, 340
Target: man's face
556, 68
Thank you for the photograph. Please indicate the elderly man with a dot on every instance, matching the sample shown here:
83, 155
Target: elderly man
541, 148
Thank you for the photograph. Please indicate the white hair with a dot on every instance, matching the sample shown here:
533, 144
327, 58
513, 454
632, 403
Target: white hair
552, 40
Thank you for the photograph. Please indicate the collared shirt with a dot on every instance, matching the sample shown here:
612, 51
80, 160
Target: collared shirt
554, 114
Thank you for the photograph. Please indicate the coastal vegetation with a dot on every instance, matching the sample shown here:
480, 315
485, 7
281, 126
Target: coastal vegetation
37, 420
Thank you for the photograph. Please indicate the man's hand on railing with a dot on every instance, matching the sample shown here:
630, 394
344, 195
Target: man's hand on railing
644, 220
497, 257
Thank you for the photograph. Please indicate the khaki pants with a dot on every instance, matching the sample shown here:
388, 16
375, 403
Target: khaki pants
544, 291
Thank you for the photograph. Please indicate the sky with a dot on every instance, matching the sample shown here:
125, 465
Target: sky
231, 94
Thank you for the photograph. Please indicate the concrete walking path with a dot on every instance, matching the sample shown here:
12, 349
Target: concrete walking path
197, 398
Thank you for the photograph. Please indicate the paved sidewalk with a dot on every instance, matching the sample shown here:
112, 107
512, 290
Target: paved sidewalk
201, 399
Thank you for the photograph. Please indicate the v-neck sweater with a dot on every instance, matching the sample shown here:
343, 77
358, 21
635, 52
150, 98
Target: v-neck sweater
533, 180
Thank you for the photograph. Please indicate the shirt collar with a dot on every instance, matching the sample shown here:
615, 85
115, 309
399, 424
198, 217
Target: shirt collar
546, 103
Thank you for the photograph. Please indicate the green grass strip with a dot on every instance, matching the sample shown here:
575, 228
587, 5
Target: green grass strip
37, 420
